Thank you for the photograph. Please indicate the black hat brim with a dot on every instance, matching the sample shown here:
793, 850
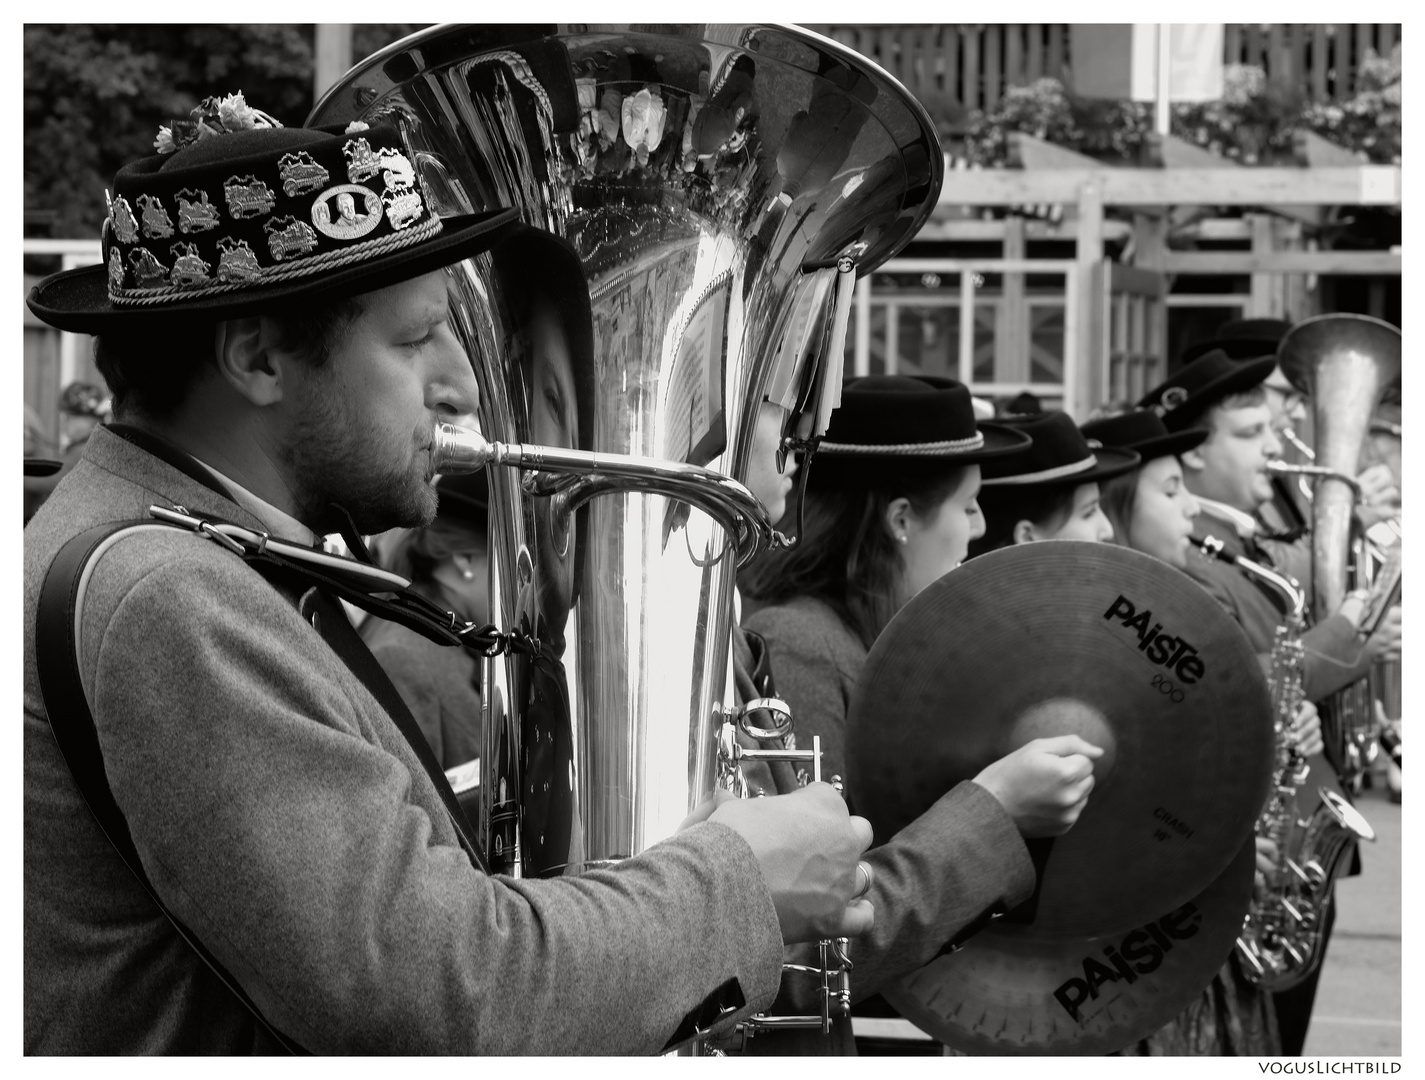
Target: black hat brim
1108, 463
78, 300
1175, 443
1242, 376
35, 466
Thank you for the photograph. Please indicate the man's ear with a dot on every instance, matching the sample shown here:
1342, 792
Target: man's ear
1024, 532
246, 363
1192, 460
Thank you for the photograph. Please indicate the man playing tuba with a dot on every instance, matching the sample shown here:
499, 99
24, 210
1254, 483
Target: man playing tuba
288, 868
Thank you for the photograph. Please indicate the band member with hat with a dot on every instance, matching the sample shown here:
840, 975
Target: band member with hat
1050, 491
1153, 512
273, 859
1287, 517
1149, 507
890, 508
1228, 475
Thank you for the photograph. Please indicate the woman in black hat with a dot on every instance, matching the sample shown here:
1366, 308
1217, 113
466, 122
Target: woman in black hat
446, 561
1150, 507
890, 507
1051, 490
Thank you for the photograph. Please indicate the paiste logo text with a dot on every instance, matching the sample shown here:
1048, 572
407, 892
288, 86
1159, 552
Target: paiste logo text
1173, 653
1141, 952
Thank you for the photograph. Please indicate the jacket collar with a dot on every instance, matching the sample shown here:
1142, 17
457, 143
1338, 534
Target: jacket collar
172, 476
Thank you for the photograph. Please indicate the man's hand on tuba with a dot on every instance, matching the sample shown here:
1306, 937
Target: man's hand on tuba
809, 848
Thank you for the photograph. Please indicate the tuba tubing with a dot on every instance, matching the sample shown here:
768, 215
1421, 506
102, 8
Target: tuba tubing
576, 476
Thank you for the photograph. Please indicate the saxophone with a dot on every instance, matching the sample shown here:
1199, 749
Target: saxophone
1281, 940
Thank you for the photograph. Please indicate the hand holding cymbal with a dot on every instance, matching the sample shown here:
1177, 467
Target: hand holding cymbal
1045, 784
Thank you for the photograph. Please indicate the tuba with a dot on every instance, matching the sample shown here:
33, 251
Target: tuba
1344, 364
703, 199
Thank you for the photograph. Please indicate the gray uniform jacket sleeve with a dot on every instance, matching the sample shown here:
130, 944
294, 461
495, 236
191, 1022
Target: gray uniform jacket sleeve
961, 858
1334, 656
281, 816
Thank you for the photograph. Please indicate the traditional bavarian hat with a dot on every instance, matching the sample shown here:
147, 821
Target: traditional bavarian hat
1143, 432
1184, 398
1241, 339
1059, 454
910, 420
237, 215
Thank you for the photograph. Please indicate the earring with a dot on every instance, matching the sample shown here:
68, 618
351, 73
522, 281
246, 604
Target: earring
468, 574
903, 538
463, 565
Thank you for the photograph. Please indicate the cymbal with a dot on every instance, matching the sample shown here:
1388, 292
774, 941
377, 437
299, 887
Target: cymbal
1014, 990
1069, 636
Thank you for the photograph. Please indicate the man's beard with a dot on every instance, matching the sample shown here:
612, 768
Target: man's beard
335, 461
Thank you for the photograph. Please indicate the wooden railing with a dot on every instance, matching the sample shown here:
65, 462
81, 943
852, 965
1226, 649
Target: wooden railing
955, 67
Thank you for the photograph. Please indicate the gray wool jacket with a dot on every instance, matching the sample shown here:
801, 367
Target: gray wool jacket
282, 817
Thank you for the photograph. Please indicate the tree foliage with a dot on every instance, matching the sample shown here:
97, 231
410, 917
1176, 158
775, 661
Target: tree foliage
95, 96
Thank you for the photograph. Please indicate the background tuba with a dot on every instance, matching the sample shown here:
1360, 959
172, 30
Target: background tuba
1344, 364
714, 190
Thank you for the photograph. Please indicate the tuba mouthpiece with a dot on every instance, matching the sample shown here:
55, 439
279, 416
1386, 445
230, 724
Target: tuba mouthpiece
458, 450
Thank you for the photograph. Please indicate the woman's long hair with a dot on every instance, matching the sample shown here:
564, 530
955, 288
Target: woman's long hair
846, 556
1116, 498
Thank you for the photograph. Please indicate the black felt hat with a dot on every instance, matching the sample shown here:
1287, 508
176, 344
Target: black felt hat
241, 220
1059, 454
1143, 432
912, 418
1184, 398
1242, 339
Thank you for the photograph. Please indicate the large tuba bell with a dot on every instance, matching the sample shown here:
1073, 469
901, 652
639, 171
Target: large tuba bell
1344, 364
705, 198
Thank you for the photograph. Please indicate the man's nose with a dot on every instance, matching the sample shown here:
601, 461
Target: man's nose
1273, 446
452, 389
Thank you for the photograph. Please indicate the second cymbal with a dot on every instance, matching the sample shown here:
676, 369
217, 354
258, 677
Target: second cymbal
1011, 990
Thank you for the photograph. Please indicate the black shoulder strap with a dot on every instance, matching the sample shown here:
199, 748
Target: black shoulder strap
73, 727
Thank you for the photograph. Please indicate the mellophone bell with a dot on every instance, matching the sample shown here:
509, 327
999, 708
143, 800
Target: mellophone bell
710, 195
